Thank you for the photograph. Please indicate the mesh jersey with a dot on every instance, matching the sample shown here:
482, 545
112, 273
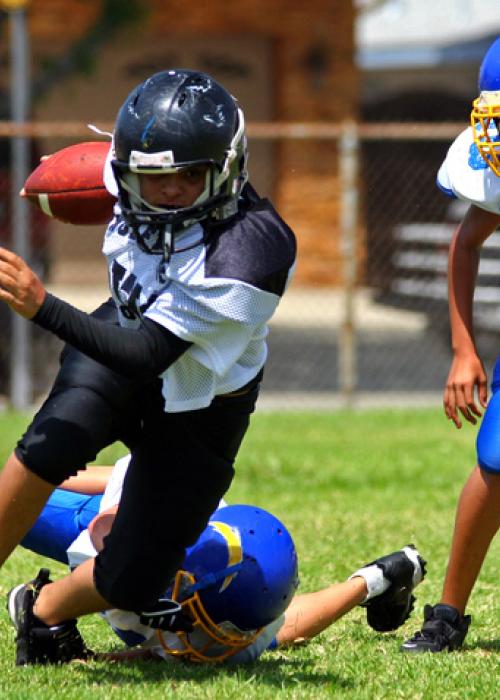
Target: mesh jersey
126, 624
464, 174
217, 291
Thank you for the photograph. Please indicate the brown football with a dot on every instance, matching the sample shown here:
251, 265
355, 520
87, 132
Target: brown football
68, 185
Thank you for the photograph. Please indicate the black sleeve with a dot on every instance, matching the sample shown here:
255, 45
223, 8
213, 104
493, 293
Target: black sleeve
142, 353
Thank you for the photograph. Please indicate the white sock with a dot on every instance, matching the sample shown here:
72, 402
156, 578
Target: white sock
374, 579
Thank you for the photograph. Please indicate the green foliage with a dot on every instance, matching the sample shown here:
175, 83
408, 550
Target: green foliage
350, 486
81, 57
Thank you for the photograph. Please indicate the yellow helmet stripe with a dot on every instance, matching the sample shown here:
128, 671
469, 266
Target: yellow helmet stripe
234, 548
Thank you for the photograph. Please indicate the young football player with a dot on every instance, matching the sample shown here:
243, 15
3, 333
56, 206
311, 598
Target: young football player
471, 172
241, 577
197, 266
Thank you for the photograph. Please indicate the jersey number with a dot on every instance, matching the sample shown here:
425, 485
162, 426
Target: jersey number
125, 285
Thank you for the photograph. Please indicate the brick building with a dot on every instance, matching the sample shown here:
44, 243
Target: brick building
285, 60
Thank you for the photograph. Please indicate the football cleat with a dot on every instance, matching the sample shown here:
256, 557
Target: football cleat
444, 629
36, 642
404, 569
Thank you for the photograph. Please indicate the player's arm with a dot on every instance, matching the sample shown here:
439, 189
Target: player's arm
467, 372
138, 353
310, 613
142, 353
92, 481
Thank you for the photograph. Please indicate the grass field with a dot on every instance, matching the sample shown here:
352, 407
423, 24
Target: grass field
350, 486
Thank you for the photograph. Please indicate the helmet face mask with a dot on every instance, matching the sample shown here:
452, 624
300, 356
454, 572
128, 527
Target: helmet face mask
485, 115
177, 120
485, 121
239, 576
218, 641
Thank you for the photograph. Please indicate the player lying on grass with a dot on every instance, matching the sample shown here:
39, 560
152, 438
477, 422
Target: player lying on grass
236, 587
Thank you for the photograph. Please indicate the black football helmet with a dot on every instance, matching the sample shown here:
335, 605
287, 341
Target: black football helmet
178, 119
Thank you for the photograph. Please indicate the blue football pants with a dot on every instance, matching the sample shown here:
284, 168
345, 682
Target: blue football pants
64, 517
488, 438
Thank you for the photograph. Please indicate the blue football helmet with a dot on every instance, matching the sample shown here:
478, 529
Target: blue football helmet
485, 115
239, 576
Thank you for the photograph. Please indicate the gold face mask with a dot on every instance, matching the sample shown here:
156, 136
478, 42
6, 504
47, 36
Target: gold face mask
485, 121
209, 642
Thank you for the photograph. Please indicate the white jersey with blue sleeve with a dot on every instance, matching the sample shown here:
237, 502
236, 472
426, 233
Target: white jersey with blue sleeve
464, 174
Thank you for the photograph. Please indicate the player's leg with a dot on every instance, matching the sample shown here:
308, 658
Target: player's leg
476, 523
174, 483
22, 497
176, 477
155, 519
478, 511
88, 408
70, 429
72, 426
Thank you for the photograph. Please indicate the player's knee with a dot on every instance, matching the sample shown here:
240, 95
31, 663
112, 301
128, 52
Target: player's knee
491, 466
65, 435
137, 584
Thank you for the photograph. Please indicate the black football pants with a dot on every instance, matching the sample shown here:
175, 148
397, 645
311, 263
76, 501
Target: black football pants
179, 471
182, 464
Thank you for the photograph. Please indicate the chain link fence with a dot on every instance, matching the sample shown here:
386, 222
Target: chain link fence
379, 337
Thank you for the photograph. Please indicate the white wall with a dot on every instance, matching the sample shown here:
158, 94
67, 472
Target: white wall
426, 22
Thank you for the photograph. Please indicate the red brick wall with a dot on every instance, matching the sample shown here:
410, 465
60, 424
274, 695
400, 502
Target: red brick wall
56, 24
314, 79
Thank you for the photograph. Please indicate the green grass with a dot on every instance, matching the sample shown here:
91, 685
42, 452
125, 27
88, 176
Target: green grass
350, 486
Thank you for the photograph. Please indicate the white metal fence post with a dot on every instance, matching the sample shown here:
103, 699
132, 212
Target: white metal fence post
348, 174
20, 349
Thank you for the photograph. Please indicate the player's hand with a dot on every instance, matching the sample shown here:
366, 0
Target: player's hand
20, 288
167, 615
466, 377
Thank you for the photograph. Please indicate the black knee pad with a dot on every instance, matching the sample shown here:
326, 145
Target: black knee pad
67, 432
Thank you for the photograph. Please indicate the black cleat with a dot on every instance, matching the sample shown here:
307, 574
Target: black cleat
36, 642
444, 629
405, 569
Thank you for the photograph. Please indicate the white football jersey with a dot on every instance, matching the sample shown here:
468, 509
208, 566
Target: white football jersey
464, 174
126, 624
217, 292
